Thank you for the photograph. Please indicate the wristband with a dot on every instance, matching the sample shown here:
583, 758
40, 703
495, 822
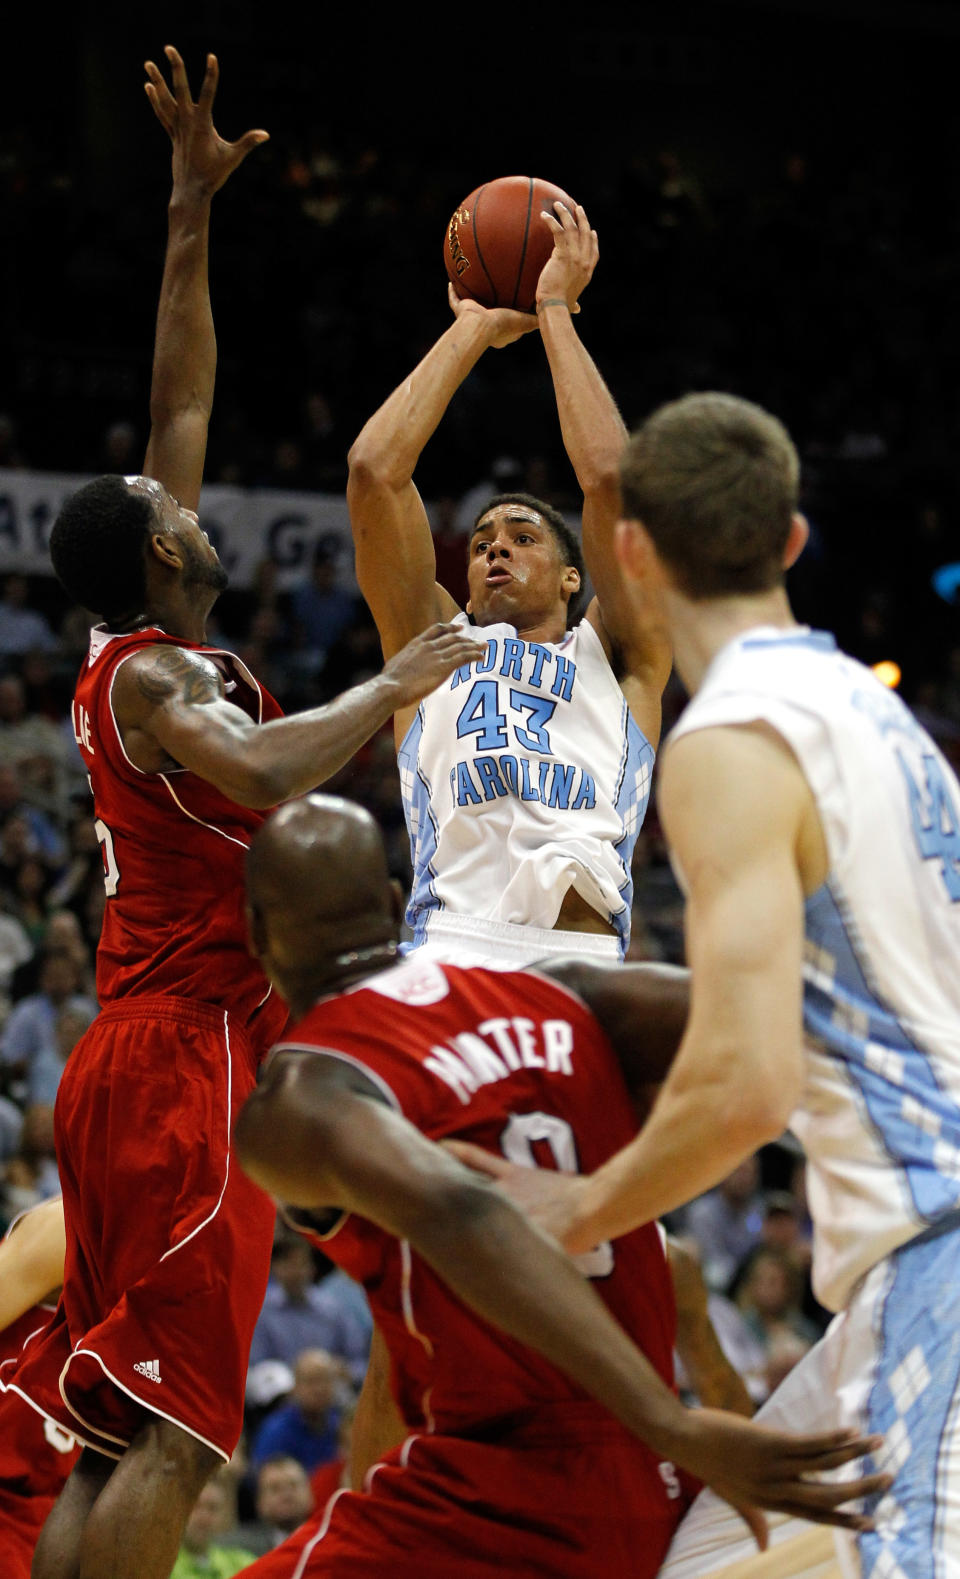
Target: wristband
553, 301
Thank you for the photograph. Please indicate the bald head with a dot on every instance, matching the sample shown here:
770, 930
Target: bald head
320, 857
318, 889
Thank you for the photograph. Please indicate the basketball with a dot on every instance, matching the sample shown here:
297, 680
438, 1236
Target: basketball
496, 243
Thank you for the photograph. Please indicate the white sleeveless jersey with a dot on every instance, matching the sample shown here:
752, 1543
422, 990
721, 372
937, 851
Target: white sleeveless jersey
524, 776
879, 1117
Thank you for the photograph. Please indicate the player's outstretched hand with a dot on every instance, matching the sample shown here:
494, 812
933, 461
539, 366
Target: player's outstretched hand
502, 324
202, 161
753, 1467
569, 268
427, 660
551, 1200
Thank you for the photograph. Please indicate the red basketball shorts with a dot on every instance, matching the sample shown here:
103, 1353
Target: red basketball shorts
581, 1503
168, 1242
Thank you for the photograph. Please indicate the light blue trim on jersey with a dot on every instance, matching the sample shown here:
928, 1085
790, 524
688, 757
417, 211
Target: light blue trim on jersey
819, 641
417, 798
630, 804
911, 1115
913, 1404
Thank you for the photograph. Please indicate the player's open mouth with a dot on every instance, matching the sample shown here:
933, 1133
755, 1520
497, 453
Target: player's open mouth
497, 578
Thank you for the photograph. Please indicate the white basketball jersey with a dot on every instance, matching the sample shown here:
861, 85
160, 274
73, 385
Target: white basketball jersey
524, 776
880, 1114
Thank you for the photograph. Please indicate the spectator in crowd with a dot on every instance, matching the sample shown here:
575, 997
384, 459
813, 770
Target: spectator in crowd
28, 1044
282, 1500
16, 949
43, 1077
31, 1175
41, 835
305, 1428
36, 748
22, 629
29, 880
321, 608
64, 934
11, 1129
328, 1478
766, 1291
202, 1555
298, 1313
727, 1222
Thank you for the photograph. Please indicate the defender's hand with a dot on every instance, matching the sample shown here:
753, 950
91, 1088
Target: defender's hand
202, 161
427, 660
549, 1199
502, 324
754, 1467
569, 268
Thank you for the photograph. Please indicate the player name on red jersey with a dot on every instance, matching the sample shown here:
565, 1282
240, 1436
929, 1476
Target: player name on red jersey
499, 1047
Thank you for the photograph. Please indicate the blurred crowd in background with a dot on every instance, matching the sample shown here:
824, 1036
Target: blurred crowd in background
820, 282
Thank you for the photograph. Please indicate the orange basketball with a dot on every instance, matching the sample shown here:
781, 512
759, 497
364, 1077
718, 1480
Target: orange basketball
496, 243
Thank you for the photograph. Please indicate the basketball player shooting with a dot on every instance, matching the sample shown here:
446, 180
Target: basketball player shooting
525, 777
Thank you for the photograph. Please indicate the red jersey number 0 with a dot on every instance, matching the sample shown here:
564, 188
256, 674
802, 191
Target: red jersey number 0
517, 1142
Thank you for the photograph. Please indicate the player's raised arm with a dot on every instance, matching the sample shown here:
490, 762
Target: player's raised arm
171, 706
185, 350
317, 1133
396, 565
594, 436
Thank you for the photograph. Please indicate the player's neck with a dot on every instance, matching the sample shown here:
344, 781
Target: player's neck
175, 616
699, 629
302, 989
544, 628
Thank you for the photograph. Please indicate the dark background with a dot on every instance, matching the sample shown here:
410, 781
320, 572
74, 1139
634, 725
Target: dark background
774, 185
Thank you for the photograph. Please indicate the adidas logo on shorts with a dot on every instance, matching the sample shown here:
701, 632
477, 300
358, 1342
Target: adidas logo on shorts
149, 1368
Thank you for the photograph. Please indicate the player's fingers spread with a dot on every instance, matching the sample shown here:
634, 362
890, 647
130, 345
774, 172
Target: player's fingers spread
552, 221
158, 81
833, 1460
835, 1516
178, 71
837, 1446
210, 79
828, 1494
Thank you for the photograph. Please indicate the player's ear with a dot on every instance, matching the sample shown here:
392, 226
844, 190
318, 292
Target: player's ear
165, 549
797, 539
570, 582
633, 548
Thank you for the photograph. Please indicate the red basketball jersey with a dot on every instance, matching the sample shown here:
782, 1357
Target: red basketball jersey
173, 849
517, 1064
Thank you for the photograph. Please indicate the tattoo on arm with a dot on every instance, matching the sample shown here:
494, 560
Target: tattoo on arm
172, 674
